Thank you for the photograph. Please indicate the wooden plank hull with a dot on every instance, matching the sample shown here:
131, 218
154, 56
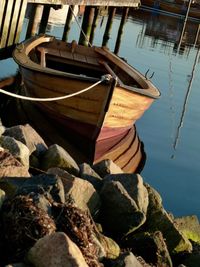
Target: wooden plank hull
100, 119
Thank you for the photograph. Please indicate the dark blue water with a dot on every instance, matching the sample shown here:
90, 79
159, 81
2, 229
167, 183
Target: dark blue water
170, 128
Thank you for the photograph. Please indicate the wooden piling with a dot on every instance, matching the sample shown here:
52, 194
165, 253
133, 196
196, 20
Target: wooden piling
68, 23
86, 25
106, 35
12, 14
32, 28
120, 31
44, 20
94, 24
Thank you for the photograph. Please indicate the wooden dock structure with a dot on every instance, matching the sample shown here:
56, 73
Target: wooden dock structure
12, 14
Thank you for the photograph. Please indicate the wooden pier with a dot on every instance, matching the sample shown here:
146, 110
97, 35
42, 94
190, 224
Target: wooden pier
12, 14
120, 3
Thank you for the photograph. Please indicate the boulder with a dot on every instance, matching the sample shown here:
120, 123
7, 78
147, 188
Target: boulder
80, 191
87, 173
154, 243
119, 213
133, 184
189, 226
159, 220
44, 184
2, 197
16, 148
111, 248
56, 156
127, 259
56, 250
106, 167
10, 166
10, 185
28, 136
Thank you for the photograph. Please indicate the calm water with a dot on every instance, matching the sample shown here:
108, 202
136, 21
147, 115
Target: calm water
170, 128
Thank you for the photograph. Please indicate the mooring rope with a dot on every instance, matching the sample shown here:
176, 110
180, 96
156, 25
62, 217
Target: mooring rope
80, 27
106, 77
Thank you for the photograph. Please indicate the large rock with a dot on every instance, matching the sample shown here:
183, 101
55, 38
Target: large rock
159, 220
16, 148
189, 226
87, 173
111, 248
10, 185
80, 191
133, 184
56, 250
119, 213
154, 243
10, 166
28, 136
2, 197
106, 167
127, 259
44, 184
56, 156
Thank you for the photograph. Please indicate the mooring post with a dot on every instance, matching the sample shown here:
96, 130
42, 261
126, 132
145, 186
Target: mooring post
45, 17
86, 25
34, 15
68, 23
106, 35
120, 31
94, 24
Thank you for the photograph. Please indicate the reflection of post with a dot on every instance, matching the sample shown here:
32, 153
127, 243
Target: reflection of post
184, 25
33, 20
186, 101
44, 20
111, 15
67, 23
94, 24
197, 36
86, 25
120, 31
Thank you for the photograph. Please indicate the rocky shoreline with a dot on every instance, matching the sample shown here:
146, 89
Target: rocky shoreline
55, 212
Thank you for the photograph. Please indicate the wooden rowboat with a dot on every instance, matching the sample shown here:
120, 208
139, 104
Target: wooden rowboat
103, 115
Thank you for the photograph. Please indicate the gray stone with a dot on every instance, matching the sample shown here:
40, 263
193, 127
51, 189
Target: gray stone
56, 156
16, 148
127, 259
157, 254
43, 184
87, 173
106, 167
2, 197
119, 212
111, 248
56, 250
10, 185
83, 194
159, 220
10, 166
28, 136
189, 226
133, 184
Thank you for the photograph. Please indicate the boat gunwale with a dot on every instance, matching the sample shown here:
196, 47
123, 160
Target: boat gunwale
21, 52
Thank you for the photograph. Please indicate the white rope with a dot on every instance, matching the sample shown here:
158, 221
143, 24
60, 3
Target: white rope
103, 78
80, 27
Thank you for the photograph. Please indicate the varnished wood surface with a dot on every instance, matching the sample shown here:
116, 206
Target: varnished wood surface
52, 68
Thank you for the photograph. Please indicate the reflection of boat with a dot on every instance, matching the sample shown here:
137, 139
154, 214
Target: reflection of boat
105, 113
172, 7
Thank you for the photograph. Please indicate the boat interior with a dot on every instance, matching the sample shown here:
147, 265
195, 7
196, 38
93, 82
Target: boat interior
76, 59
